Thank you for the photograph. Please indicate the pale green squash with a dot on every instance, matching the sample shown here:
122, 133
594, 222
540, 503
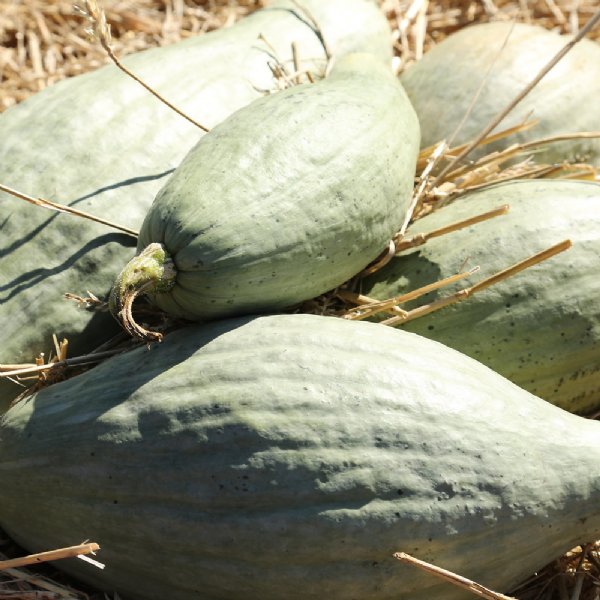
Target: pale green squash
287, 198
540, 328
443, 84
103, 144
289, 457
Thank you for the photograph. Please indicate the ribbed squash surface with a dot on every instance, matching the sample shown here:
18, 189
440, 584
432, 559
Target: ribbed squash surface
289, 457
290, 196
494, 62
103, 144
540, 328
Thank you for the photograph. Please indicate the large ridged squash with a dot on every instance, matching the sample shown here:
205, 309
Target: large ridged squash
289, 457
286, 199
540, 328
443, 84
103, 144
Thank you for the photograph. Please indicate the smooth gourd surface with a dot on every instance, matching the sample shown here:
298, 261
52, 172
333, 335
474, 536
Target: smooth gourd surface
290, 196
101, 143
289, 457
540, 328
443, 84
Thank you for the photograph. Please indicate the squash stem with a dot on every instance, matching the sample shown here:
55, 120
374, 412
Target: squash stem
152, 271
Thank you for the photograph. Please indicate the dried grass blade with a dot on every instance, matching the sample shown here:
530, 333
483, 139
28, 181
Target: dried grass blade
490, 8
456, 150
403, 25
315, 27
99, 30
422, 187
421, 238
69, 362
484, 80
530, 173
33, 595
15, 366
480, 173
526, 125
420, 30
460, 176
361, 299
296, 62
522, 265
457, 580
580, 573
563, 137
125, 70
500, 117
58, 554
493, 158
66, 209
368, 309
63, 593
465, 293
581, 172
556, 12
380, 262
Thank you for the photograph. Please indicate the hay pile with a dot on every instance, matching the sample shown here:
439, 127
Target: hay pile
43, 41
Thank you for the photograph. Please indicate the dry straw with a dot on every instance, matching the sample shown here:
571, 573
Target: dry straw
453, 578
59, 554
99, 30
43, 41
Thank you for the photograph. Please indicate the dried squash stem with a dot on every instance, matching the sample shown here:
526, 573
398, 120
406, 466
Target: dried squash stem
152, 271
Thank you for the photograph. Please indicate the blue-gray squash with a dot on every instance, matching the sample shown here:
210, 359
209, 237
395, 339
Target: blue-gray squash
289, 457
101, 143
540, 328
443, 84
286, 199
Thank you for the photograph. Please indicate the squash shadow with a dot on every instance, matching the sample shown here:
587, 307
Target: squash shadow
36, 276
403, 274
15, 245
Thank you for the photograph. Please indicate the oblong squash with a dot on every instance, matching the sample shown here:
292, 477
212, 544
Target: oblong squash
443, 84
103, 144
541, 328
284, 200
289, 457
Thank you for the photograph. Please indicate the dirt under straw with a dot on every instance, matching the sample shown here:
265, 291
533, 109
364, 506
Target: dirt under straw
43, 41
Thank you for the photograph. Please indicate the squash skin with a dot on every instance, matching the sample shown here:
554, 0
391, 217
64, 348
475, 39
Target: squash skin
103, 144
540, 328
289, 197
288, 457
442, 85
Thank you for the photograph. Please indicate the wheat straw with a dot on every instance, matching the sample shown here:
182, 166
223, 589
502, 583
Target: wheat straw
32, 559
99, 30
500, 117
453, 578
55, 206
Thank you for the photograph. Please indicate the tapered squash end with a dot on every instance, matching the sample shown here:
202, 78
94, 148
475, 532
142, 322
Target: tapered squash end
152, 271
